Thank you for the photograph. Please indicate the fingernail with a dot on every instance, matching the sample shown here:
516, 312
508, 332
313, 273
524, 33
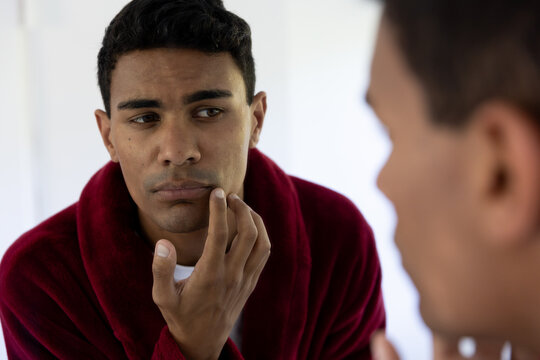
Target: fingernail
220, 194
235, 197
162, 251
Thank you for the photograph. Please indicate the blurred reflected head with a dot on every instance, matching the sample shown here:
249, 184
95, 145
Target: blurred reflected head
457, 86
466, 52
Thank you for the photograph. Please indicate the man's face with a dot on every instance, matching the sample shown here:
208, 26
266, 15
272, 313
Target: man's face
180, 126
428, 179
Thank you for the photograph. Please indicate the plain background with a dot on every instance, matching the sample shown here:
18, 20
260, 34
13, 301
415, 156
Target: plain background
312, 59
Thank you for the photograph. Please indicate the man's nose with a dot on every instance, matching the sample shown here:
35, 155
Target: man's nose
178, 143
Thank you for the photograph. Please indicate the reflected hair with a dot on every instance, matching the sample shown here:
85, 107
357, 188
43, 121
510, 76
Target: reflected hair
203, 25
466, 52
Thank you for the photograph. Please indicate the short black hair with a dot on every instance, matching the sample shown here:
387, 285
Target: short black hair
466, 52
203, 25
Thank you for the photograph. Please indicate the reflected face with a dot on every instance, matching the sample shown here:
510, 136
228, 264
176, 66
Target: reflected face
425, 177
180, 126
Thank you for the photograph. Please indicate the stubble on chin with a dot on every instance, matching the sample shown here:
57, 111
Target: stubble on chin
184, 218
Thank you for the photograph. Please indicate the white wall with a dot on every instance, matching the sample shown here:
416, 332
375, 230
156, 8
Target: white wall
312, 59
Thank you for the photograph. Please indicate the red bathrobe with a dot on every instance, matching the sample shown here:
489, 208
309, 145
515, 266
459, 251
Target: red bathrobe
78, 286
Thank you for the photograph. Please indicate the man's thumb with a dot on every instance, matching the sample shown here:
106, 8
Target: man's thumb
163, 290
382, 348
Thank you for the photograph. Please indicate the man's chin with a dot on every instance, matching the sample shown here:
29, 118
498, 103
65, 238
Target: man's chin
430, 318
185, 227
438, 320
184, 218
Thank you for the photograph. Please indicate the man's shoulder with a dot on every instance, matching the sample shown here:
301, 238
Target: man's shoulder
44, 247
341, 240
332, 221
326, 205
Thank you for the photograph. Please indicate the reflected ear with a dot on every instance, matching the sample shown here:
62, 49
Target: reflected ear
258, 111
104, 125
509, 173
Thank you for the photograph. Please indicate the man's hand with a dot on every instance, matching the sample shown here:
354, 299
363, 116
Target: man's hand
443, 349
201, 310
382, 348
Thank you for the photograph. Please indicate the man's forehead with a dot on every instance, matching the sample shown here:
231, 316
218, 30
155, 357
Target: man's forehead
377, 66
381, 55
394, 92
179, 69
389, 68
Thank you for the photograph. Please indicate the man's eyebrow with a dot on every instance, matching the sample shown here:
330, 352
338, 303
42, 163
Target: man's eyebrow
368, 99
206, 94
188, 99
139, 104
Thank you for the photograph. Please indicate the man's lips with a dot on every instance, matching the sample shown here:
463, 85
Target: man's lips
178, 191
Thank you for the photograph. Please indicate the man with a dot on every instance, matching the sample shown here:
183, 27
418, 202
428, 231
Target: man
166, 255
457, 85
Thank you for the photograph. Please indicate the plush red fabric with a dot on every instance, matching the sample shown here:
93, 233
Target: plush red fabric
78, 286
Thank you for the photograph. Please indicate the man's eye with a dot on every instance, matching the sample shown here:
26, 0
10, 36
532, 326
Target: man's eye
208, 113
145, 119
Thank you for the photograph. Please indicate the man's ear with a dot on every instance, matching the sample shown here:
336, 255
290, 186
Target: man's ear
508, 171
258, 111
104, 125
